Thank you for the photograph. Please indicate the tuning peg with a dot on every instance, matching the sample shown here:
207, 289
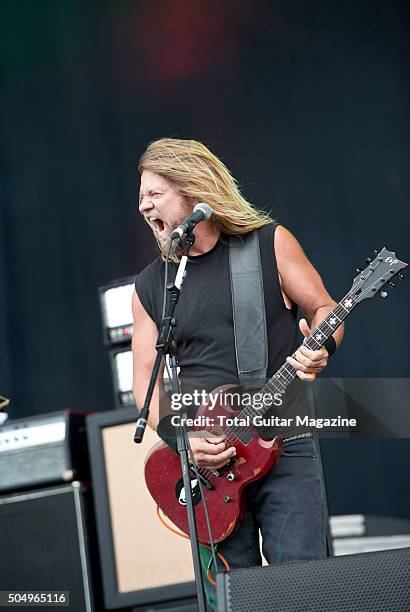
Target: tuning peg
400, 275
376, 252
383, 294
392, 285
368, 261
359, 269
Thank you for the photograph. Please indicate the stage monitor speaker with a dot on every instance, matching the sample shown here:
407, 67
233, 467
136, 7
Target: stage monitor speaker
47, 540
142, 562
378, 581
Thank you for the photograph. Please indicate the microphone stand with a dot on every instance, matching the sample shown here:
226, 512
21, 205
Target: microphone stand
166, 345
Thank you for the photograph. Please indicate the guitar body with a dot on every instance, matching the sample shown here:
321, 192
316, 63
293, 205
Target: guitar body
225, 495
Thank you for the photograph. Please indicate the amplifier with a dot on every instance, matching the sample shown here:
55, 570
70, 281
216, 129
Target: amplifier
48, 543
43, 449
144, 566
115, 300
121, 367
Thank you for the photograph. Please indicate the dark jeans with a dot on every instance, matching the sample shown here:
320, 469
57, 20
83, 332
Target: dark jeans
288, 506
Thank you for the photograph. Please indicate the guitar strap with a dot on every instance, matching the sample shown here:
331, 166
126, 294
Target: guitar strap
248, 307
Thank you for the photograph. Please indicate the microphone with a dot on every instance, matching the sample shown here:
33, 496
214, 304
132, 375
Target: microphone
201, 212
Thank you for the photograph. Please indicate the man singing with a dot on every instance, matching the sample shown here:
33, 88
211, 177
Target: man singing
288, 505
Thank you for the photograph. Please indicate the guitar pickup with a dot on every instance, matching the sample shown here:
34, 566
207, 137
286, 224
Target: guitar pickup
207, 483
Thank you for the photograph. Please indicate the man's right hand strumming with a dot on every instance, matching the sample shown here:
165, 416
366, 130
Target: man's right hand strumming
212, 453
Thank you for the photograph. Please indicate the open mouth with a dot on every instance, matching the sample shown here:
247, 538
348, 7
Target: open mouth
158, 224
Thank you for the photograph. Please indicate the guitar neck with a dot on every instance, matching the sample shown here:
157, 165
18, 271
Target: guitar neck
286, 373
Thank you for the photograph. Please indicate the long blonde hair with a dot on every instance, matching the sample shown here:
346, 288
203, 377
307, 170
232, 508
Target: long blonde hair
197, 173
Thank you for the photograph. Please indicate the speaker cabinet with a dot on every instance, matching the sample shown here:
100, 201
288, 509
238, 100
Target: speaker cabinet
46, 539
142, 562
378, 581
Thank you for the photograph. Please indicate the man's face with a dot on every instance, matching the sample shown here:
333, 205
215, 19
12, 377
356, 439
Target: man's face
162, 206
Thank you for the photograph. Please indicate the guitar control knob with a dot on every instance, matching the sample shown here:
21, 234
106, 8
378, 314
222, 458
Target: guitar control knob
231, 476
227, 499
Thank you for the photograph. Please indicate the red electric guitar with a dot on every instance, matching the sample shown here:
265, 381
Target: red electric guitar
255, 456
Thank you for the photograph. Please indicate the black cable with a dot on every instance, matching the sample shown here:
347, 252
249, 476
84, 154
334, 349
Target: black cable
165, 296
208, 523
166, 276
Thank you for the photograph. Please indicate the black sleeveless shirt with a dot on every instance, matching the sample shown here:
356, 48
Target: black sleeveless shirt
205, 333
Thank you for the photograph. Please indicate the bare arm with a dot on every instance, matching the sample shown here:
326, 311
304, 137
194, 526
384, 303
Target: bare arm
303, 285
144, 354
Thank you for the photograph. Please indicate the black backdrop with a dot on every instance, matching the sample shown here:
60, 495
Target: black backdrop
307, 103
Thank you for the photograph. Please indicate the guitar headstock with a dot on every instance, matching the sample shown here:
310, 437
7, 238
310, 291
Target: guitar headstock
379, 272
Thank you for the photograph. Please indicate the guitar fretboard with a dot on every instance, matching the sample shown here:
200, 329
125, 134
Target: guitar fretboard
286, 373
